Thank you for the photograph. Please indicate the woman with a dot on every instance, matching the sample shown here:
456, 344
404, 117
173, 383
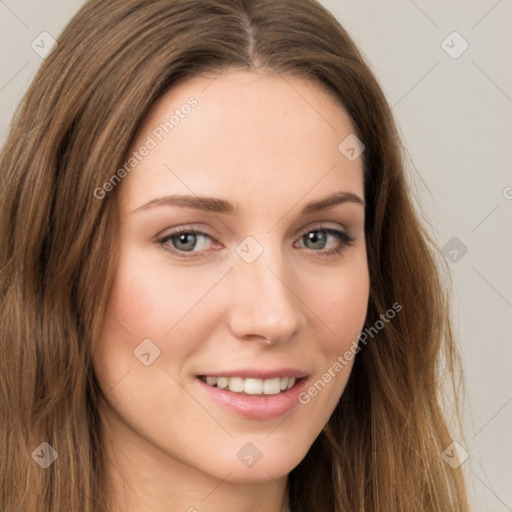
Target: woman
215, 290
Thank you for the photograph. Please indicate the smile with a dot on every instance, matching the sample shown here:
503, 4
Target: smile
251, 386
258, 394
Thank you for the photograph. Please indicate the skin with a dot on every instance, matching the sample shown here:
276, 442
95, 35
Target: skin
269, 144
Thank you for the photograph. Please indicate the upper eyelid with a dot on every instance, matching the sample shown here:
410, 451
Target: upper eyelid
197, 231
345, 238
187, 230
178, 231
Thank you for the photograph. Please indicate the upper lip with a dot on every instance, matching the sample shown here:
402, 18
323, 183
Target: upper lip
255, 373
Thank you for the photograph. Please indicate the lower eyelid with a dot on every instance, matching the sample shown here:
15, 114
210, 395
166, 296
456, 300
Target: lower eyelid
343, 237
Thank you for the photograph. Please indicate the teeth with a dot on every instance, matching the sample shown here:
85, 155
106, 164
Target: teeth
236, 384
222, 382
251, 386
271, 386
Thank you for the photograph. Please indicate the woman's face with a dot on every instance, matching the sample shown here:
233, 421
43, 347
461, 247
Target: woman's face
242, 279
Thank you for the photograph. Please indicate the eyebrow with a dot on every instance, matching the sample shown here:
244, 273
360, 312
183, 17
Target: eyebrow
216, 205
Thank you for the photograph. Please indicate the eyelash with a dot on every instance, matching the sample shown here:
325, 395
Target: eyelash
344, 237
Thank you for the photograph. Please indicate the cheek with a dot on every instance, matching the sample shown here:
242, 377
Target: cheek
341, 303
341, 306
150, 298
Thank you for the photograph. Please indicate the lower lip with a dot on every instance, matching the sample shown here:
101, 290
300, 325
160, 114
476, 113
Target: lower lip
257, 407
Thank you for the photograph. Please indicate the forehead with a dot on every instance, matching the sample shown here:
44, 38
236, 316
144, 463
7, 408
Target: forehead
243, 134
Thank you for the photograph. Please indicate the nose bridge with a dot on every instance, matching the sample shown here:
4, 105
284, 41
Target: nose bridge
263, 303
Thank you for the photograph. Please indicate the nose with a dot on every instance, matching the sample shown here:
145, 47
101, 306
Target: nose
264, 306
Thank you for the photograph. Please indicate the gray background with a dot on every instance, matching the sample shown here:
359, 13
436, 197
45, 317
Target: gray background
455, 118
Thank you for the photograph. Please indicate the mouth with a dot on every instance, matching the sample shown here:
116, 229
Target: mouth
251, 386
255, 394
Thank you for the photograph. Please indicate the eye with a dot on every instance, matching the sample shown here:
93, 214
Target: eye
186, 241
326, 241
322, 241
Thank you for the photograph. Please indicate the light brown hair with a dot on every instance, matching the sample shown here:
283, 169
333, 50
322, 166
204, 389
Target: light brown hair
381, 450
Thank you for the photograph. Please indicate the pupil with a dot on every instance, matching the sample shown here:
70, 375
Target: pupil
317, 238
188, 240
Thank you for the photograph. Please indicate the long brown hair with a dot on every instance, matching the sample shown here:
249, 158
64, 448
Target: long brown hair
381, 450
